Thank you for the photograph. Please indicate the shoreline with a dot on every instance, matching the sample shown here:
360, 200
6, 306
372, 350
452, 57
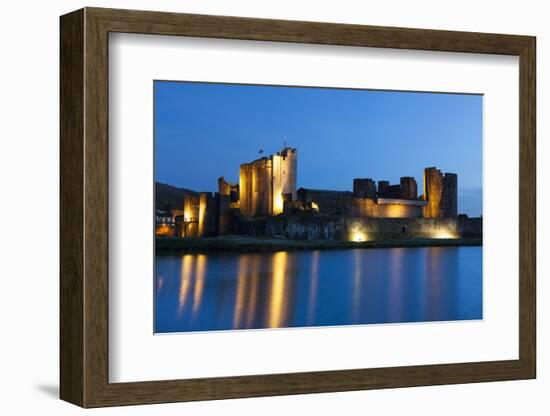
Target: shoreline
240, 244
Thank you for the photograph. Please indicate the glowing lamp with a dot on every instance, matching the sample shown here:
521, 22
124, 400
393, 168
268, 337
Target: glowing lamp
358, 236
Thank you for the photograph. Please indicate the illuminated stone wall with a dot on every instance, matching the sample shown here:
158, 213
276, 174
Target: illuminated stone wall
336, 228
191, 204
263, 182
344, 203
369, 208
381, 228
255, 188
277, 184
245, 189
440, 191
262, 173
289, 170
433, 192
224, 187
326, 202
231, 190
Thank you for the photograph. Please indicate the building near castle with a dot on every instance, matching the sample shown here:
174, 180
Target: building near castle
267, 188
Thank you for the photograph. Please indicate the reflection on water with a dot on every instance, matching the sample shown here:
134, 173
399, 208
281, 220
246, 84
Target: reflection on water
202, 292
278, 301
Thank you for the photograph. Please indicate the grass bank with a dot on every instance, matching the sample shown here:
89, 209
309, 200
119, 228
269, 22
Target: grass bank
258, 244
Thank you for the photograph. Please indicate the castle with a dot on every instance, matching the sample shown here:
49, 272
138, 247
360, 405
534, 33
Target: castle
267, 187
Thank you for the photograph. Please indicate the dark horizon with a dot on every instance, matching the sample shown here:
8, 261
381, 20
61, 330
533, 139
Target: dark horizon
404, 131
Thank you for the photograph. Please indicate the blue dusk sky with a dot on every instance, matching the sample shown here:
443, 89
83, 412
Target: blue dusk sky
204, 131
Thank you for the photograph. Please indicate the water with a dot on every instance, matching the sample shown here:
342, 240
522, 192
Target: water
204, 292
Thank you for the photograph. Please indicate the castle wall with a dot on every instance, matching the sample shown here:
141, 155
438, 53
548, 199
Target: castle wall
383, 228
369, 208
331, 228
346, 228
327, 202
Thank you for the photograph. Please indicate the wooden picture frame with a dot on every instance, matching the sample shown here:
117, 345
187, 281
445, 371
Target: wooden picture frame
84, 207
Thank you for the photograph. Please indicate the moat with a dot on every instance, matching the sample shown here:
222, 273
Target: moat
223, 291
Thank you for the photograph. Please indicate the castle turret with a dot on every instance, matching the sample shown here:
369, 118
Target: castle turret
440, 191
383, 188
409, 188
364, 188
433, 190
450, 195
266, 183
285, 166
208, 214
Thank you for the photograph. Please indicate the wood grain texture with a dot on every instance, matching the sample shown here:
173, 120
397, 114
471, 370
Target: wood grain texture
527, 207
84, 207
71, 100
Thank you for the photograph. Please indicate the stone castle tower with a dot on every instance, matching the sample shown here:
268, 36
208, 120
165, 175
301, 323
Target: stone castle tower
266, 183
440, 192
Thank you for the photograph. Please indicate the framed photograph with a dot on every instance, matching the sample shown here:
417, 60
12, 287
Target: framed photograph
255, 207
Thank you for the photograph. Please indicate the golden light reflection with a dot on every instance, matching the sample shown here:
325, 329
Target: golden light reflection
277, 311
185, 281
241, 290
253, 295
434, 274
396, 268
160, 283
199, 282
313, 283
357, 281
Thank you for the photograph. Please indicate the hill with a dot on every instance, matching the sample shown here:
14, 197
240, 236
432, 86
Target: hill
169, 197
